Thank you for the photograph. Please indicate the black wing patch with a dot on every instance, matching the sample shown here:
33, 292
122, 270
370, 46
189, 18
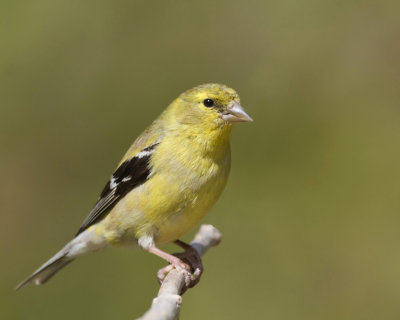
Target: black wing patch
130, 174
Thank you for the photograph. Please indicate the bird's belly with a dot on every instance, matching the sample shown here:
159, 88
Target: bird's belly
178, 224
192, 204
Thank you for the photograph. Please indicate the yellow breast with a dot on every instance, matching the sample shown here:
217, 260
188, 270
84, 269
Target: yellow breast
188, 175
187, 184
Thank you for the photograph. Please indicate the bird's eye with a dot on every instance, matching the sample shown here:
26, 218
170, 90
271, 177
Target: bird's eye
208, 103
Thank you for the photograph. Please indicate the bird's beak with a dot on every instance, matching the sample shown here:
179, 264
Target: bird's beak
235, 113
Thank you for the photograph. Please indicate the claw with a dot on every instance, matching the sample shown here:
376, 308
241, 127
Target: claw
188, 262
184, 268
162, 273
190, 265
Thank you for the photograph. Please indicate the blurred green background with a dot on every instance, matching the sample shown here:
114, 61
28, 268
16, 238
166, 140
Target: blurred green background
311, 214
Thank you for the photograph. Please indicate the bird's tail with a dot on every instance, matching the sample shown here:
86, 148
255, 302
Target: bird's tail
47, 270
85, 242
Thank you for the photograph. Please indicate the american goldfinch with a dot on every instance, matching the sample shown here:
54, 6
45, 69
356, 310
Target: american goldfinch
164, 185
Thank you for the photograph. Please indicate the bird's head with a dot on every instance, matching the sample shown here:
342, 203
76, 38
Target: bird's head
214, 104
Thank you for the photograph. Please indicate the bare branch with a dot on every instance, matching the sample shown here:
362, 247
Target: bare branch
168, 302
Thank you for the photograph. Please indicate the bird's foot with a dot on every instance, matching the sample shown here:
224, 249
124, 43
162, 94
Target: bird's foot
193, 259
189, 263
191, 279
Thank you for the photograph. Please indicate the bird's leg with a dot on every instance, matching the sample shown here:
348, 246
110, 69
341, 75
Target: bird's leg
192, 257
175, 262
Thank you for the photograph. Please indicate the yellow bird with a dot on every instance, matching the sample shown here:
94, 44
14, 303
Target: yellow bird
164, 185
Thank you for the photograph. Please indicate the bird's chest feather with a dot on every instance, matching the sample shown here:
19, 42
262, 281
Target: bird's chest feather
187, 181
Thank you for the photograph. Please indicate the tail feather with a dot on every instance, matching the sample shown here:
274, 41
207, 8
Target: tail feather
85, 242
46, 271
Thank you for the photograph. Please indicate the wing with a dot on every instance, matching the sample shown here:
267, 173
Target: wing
130, 174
